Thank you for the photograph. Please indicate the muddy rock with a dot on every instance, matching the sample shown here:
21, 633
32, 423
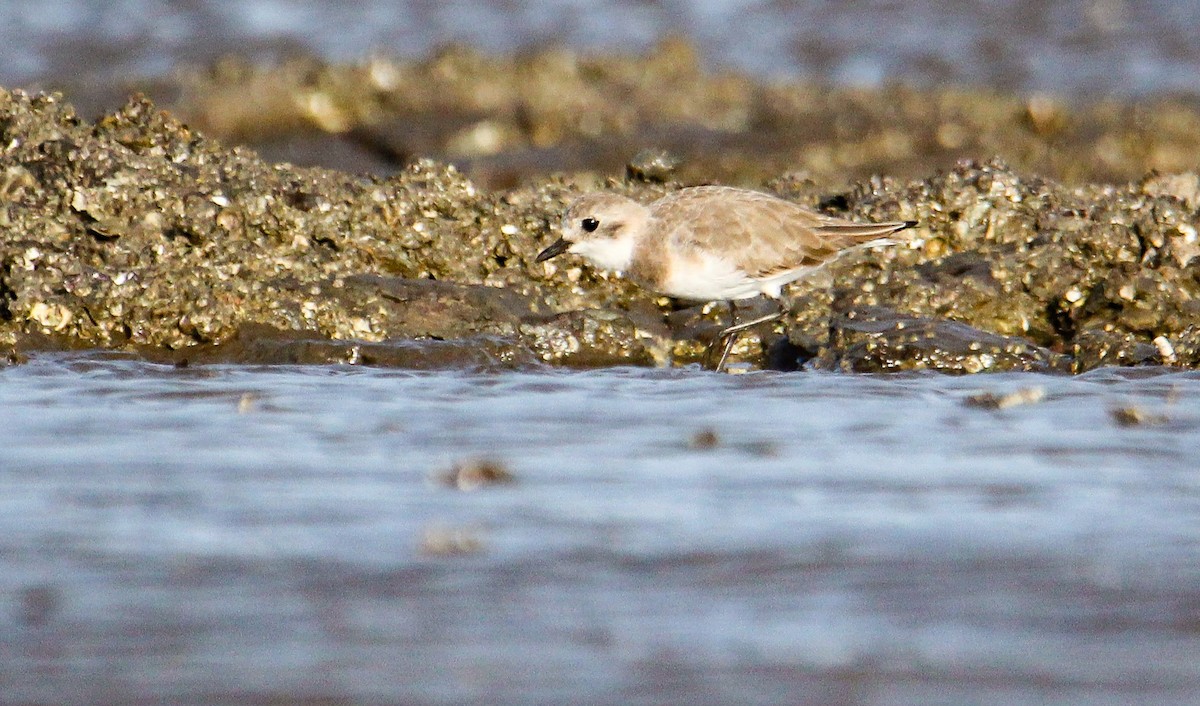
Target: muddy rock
256, 344
1095, 348
423, 308
589, 338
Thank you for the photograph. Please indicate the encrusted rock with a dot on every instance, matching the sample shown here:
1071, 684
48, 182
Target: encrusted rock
137, 232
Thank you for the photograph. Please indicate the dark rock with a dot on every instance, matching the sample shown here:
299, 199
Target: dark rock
880, 340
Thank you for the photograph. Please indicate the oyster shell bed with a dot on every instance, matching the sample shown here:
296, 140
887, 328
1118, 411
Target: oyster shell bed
160, 229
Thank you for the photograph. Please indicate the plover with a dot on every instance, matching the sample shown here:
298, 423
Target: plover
711, 243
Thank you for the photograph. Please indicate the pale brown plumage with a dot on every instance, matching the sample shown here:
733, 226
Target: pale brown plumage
764, 234
710, 243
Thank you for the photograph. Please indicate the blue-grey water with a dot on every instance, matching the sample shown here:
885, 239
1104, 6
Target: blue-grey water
285, 535
1079, 48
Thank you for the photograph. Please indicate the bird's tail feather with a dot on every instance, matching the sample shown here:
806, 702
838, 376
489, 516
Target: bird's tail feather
863, 232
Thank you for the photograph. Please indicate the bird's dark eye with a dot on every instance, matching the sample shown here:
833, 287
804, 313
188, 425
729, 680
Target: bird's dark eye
589, 224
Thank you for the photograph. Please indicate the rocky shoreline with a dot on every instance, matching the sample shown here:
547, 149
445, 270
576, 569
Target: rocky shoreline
140, 232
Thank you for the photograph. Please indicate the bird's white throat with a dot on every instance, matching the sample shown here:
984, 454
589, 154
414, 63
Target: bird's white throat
606, 253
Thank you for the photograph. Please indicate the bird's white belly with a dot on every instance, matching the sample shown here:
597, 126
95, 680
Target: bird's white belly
707, 278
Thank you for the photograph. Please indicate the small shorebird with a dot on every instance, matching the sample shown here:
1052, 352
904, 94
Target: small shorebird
711, 243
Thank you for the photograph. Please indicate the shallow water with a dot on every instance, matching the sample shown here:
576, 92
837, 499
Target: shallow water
242, 535
1081, 48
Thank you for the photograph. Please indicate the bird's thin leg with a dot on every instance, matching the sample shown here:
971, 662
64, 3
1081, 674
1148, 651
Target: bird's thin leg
729, 335
751, 324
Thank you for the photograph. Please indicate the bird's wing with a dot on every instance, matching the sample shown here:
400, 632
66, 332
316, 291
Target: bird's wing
765, 235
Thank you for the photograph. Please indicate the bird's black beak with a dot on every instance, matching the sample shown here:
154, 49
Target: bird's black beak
558, 247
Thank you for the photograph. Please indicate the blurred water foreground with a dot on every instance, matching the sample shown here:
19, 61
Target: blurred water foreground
251, 535
1052, 236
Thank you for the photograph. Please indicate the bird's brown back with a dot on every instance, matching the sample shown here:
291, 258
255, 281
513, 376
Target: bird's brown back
764, 234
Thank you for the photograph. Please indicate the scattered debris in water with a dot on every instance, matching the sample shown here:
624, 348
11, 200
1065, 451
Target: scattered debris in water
440, 540
474, 474
247, 403
1133, 416
39, 604
704, 440
996, 400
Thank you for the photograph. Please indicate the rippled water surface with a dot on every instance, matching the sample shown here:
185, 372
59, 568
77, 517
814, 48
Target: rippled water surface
244, 535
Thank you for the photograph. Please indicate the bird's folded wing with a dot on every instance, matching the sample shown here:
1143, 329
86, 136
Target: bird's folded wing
767, 235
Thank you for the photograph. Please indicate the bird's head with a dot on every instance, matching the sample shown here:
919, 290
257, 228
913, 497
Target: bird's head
603, 228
